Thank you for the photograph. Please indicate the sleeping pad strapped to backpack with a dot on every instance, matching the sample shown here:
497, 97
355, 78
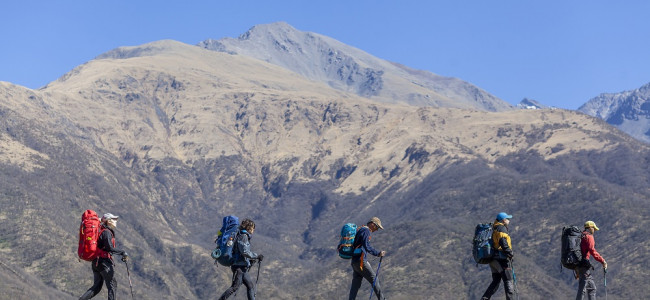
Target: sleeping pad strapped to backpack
226, 240
482, 244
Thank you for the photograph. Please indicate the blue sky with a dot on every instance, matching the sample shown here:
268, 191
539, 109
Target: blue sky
561, 53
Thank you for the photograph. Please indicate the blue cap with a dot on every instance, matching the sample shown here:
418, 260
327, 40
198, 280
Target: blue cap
502, 216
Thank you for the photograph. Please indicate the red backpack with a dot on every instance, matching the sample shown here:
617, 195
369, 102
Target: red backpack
89, 231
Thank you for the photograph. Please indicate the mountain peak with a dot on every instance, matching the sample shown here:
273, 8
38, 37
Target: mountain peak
627, 110
148, 49
268, 29
527, 103
343, 67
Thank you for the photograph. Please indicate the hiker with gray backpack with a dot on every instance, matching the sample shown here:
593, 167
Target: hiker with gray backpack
501, 258
233, 249
586, 282
577, 247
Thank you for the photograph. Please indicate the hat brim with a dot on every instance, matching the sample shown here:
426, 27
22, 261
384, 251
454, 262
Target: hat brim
591, 224
110, 217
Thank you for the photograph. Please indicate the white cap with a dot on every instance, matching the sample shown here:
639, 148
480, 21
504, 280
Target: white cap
109, 216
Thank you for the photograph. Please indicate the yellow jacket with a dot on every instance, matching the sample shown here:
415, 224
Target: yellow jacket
501, 238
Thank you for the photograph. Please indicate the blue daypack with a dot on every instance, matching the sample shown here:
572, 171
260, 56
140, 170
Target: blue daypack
483, 246
226, 239
348, 232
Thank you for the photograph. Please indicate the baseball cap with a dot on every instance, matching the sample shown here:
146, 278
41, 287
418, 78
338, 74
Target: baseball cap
502, 216
376, 221
109, 216
591, 224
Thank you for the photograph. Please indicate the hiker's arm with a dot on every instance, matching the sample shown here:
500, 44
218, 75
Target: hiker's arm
591, 249
106, 244
597, 257
245, 248
503, 242
502, 237
366, 243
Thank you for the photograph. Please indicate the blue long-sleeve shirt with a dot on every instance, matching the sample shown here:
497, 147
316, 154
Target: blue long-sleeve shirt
362, 242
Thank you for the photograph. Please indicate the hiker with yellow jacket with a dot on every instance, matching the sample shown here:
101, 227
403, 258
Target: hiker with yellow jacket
501, 265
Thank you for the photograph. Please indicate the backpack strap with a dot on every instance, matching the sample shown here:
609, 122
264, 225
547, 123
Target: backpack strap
584, 262
582, 237
359, 246
102, 253
361, 261
235, 247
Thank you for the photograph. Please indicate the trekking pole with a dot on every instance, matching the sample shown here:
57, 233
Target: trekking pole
514, 278
372, 289
605, 277
259, 266
128, 274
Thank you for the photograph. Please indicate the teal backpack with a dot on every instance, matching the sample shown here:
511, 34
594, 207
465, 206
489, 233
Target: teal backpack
348, 232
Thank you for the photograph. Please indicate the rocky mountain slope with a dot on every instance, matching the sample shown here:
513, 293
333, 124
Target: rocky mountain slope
629, 111
172, 137
346, 68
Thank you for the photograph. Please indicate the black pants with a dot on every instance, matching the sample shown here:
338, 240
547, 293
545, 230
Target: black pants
240, 274
357, 278
103, 271
501, 271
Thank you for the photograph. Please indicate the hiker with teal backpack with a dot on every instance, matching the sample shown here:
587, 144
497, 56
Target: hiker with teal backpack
586, 284
241, 262
360, 266
501, 264
101, 254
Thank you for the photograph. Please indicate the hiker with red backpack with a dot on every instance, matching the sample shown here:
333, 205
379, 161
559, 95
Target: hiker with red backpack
97, 244
586, 283
242, 261
360, 266
501, 264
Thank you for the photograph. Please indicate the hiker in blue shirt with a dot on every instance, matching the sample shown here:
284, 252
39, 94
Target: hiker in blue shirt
243, 262
360, 267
